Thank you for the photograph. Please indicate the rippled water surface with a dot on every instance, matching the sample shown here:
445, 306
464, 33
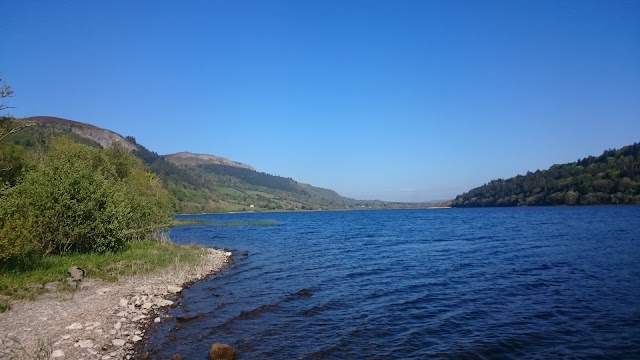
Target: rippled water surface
540, 283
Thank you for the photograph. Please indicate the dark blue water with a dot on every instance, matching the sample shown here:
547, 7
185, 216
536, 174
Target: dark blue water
513, 283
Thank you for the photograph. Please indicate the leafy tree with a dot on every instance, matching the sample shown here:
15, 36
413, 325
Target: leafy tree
81, 199
612, 178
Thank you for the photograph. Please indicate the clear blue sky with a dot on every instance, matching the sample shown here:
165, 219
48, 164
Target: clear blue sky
392, 100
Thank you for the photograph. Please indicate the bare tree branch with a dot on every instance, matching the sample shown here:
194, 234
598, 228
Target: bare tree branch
13, 130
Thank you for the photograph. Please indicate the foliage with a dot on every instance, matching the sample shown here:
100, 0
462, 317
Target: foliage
13, 161
253, 177
80, 199
611, 178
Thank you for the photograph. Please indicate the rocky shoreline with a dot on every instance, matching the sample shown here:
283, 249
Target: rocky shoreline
100, 320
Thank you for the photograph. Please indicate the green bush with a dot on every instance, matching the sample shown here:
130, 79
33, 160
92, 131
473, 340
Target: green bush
81, 199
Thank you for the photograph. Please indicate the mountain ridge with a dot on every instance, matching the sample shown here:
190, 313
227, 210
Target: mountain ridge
198, 182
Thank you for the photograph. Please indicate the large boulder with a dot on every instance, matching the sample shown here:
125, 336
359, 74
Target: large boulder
75, 276
76, 273
222, 352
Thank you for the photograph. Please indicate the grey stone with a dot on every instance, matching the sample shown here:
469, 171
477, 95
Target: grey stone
85, 344
222, 352
164, 302
139, 317
76, 273
174, 289
118, 342
57, 354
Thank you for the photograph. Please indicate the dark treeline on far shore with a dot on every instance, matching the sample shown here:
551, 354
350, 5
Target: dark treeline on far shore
611, 178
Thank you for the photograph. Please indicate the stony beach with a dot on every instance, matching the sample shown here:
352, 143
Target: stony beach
100, 320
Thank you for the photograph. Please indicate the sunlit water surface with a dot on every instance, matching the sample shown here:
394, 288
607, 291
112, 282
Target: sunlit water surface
539, 283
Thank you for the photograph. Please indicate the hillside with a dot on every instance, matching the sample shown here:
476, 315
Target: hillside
198, 182
611, 178
203, 183
101, 136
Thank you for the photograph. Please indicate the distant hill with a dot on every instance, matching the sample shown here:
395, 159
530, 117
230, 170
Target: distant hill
198, 182
611, 178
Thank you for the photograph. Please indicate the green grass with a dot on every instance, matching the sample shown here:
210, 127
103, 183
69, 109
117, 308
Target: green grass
179, 222
229, 223
26, 279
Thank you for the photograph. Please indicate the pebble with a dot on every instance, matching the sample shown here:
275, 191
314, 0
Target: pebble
164, 302
85, 344
139, 317
118, 342
57, 354
121, 328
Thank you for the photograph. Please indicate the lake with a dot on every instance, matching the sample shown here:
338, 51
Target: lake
508, 283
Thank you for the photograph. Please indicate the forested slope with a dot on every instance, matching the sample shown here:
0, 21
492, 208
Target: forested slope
611, 178
196, 185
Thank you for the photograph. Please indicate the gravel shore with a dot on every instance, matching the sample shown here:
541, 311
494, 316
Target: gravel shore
99, 321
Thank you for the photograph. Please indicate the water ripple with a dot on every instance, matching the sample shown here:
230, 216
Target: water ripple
523, 283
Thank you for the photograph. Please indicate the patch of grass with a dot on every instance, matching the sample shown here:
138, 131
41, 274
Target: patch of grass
228, 223
179, 222
4, 305
26, 280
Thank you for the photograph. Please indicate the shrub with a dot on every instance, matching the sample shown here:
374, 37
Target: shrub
81, 199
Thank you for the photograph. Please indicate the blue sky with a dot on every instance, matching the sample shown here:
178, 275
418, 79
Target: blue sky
390, 100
